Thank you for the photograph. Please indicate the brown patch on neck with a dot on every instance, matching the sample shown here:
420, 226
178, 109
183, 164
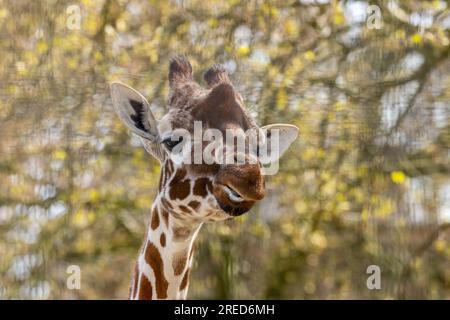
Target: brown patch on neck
180, 187
146, 290
185, 280
201, 187
165, 216
162, 240
155, 218
153, 258
179, 262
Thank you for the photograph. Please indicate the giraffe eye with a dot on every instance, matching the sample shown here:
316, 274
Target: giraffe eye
170, 143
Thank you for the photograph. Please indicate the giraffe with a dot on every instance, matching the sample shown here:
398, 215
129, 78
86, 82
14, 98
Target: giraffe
190, 194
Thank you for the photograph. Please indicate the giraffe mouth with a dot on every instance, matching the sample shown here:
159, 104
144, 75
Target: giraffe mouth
232, 210
230, 201
233, 195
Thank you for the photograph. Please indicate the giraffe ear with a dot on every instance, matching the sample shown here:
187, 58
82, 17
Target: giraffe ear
278, 138
134, 111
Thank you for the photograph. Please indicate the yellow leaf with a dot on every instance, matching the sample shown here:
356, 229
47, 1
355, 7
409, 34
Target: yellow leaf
72, 63
153, 55
290, 27
79, 219
59, 154
98, 56
310, 55
318, 240
340, 106
365, 215
121, 25
183, 28
281, 99
94, 195
297, 63
20, 66
213, 23
287, 228
385, 209
91, 216
42, 47
416, 38
398, 177
339, 19
91, 25
440, 245
243, 51
3, 13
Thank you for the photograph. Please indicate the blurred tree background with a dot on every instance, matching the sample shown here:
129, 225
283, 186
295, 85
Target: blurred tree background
367, 182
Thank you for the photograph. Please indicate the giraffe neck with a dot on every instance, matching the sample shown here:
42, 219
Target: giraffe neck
165, 259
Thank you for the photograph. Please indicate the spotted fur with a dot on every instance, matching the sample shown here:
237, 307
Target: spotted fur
189, 195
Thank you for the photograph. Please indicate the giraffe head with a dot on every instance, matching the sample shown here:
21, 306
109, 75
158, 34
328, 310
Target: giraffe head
213, 188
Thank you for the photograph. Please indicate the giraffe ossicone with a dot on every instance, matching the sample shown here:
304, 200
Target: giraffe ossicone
193, 192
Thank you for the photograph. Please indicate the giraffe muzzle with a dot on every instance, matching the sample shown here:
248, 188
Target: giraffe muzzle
238, 187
